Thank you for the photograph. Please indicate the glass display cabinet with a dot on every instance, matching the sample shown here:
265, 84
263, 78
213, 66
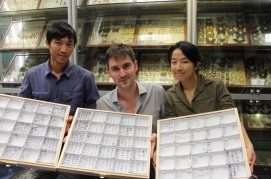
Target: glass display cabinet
24, 24
233, 38
147, 26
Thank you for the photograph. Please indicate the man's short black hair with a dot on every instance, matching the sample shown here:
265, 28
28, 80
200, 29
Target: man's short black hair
188, 49
59, 30
119, 51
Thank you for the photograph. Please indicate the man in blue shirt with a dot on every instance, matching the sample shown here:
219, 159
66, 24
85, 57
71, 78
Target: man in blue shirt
60, 81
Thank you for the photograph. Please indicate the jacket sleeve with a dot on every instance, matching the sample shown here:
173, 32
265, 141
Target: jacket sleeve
224, 98
169, 106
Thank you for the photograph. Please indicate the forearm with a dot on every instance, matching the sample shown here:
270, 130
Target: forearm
251, 156
246, 138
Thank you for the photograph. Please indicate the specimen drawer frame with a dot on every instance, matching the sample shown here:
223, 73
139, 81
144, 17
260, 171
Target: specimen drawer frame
172, 128
104, 173
39, 165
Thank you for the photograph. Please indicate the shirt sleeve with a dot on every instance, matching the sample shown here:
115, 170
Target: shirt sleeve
224, 98
26, 90
169, 106
162, 103
91, 92
98, 106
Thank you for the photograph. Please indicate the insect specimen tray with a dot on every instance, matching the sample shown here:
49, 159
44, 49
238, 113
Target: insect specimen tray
108, 144
99, 142
206, 146
31, 132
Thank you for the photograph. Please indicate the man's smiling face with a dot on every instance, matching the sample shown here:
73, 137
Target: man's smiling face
61, 49
123, 71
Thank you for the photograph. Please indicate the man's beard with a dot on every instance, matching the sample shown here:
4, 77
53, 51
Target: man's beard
128, 84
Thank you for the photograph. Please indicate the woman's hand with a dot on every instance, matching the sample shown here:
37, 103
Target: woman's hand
251, 156
250, 149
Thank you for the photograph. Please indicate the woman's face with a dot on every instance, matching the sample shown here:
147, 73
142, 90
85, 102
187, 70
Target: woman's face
182, 68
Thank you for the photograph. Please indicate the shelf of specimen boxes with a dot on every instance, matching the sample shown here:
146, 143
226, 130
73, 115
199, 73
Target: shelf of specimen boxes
154, 29
23, 34
222, 28
32, 34
92, 2
259, 66
15, 5
99, 69
19, 66
258, 115
56, 3
155, 68
112, 29
263, 157
161, 29
259, 28
228, 67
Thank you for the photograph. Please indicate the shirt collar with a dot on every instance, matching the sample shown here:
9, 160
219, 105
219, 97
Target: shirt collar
141, 90
115, 95
68, 70
202, 81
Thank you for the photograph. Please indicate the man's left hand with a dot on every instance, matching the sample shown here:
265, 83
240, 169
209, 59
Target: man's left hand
153, 146
153, 143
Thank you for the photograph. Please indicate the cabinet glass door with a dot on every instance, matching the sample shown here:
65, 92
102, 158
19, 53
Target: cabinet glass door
149, 27
233, 38
23, 28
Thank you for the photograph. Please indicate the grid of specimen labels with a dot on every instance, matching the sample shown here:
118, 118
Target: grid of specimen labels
106, 141
204, 146
30, 130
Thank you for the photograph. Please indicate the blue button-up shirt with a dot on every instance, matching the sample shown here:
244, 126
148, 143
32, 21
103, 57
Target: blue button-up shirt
76, 86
